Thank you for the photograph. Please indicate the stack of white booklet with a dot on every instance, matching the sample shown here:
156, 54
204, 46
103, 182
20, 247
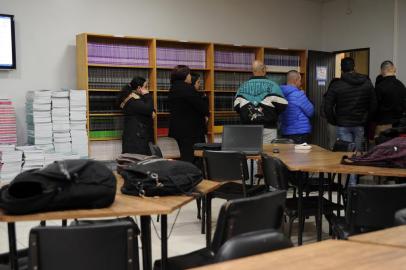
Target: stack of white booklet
33, 157
78, 130
10, 162
60, 121
38, 112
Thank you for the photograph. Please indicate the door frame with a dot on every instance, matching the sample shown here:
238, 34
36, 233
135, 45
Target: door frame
355, 50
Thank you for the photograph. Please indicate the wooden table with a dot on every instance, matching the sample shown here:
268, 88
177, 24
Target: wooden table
318, 160
329, 254
394, 237
124, 205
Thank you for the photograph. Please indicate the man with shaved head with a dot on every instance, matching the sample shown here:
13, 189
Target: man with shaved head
260, 101
295, 120
391, 98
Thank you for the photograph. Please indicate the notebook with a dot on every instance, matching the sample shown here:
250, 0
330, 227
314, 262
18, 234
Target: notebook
244, 138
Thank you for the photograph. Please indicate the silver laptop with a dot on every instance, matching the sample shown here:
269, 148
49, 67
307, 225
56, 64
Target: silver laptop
244, 138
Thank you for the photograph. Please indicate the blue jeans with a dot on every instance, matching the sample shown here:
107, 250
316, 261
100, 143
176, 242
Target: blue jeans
352, 134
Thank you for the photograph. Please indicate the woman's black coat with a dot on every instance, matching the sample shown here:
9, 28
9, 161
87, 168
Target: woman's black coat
138, 125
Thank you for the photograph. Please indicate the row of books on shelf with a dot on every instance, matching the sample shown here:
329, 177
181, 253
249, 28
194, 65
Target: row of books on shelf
117, 54
229, 81
162, 103
170, 57
224, 102
227, 120
103, 102
164, 79
106, 127
282, 63
113, 78
233, 60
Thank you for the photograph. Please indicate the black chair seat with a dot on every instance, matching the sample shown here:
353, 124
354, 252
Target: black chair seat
22, 260
310, 206
232, 190
196, 258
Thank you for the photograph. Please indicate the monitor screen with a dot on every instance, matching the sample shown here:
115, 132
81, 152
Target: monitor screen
7, 46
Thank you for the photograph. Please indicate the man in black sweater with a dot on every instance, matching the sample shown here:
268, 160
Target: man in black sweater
391, 98
349, 103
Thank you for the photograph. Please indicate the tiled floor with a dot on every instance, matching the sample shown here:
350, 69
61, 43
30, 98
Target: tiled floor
186, 234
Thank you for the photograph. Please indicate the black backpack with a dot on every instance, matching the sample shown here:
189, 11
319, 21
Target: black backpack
69, 184
160, 177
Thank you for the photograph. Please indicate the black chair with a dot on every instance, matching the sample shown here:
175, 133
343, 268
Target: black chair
252, 243
400, 217
230, 167
236, 217
155, 150
278, 177
110, 245
369, 208
283, 141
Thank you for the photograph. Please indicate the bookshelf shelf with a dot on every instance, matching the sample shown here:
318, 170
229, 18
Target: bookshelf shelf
104, 90
105, 114
118, 66
197, 69
232, 70
103, 70
105, 139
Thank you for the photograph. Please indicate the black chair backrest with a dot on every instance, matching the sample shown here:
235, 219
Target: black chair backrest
225, 165
276, 174
101, 246
400, 217
372, 207
249, 214
283, 141
343, 146
155, 150
252, 243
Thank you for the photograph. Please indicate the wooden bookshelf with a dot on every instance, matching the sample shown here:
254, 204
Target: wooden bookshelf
92, 75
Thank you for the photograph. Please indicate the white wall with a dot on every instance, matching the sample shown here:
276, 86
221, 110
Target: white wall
401, 55
46, 30
369, 25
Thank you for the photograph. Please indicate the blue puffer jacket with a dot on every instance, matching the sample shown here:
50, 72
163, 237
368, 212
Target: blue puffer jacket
296, 118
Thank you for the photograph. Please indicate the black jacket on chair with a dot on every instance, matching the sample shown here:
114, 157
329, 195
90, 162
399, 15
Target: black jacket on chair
138, 125
391, 97
350, 101
188, 110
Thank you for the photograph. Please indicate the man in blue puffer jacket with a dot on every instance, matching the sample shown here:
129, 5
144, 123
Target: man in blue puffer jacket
295, 120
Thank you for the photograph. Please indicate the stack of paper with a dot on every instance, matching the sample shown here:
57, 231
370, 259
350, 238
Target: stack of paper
78, 122
60, 121
10, 162
38, 109
8, 128
33, 157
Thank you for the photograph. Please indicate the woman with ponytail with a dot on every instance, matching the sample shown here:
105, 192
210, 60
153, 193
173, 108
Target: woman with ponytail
138, 108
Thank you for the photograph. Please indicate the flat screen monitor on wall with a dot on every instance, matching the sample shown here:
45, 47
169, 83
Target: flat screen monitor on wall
7, 42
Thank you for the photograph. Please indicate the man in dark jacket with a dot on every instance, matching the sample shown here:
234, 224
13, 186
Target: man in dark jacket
295, 120
349, 103
391, 98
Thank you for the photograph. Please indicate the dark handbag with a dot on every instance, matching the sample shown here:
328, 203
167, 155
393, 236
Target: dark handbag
69, 184
391, 154
160, 177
